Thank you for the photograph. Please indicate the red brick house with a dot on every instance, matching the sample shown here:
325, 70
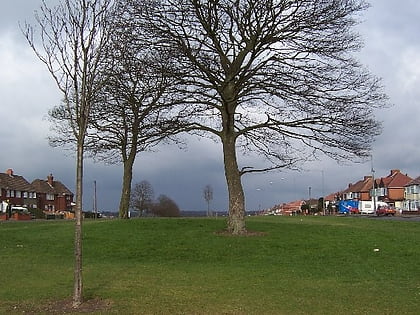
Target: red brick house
52, 195
16, 190
390, 189
359, 191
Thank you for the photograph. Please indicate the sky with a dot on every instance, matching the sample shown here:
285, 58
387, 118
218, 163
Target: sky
391, 33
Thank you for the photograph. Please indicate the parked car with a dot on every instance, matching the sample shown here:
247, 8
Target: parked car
354, 211
385, 210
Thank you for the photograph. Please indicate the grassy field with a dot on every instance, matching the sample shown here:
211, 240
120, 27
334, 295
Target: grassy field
302, 265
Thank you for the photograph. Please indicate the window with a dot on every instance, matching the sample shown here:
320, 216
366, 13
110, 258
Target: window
348, 196
18, 194
49, 207
25, 194
381, 191
10, 193
50, 197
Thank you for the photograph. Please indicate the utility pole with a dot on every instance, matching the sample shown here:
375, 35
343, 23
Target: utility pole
310, 201
95, 207
323, 192
373, 187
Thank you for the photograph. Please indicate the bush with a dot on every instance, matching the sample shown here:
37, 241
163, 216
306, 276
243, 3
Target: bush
165, 207
37, 213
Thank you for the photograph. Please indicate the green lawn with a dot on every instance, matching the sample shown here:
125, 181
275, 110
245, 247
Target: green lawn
302, 265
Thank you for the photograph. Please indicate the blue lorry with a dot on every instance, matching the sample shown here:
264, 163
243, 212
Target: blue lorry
348, 207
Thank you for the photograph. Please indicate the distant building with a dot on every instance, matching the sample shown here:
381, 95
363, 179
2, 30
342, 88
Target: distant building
390, 189
412, 195
15, 190
290, 208
52, 195
358, 191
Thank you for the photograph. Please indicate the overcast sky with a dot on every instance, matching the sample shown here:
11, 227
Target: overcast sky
391, 32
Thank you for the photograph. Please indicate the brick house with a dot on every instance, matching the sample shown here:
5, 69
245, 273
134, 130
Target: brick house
16, 190
390, 189
359, 191
52, 195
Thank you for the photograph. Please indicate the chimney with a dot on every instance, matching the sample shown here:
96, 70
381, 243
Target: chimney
50, 179
9, 172
393, 172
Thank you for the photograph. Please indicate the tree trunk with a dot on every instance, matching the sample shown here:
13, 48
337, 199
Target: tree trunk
78, 283
126, 188
236, 220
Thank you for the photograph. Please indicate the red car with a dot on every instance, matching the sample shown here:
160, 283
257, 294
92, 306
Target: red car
354, 210
384, 210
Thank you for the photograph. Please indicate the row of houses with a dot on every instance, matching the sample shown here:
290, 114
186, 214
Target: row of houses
44, 194
397, 189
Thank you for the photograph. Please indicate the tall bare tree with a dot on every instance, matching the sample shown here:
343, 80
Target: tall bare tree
134, 112
208, 197
277, 78
71, 41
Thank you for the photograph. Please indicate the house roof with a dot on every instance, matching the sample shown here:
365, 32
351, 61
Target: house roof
395, 180
11, 181
362, 185
50, 186
332, 196
415, 181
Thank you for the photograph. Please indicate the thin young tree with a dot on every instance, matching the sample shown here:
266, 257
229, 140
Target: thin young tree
70, 40
208, 197
275, 78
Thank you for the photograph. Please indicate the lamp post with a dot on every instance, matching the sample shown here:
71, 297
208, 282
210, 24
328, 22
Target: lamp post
95, 207
373, 191
310, 202
259, 200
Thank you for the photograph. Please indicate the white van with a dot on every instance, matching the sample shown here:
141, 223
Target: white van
366, 207
19, 209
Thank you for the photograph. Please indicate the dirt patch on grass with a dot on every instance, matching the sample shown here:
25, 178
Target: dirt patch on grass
244, 234
65, 307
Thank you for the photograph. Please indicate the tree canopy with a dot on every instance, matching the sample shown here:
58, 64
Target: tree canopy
277, 78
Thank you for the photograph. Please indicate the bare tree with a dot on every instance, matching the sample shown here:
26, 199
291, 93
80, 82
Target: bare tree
70, 43
142, 197
208, 197
134, 112
275, 78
